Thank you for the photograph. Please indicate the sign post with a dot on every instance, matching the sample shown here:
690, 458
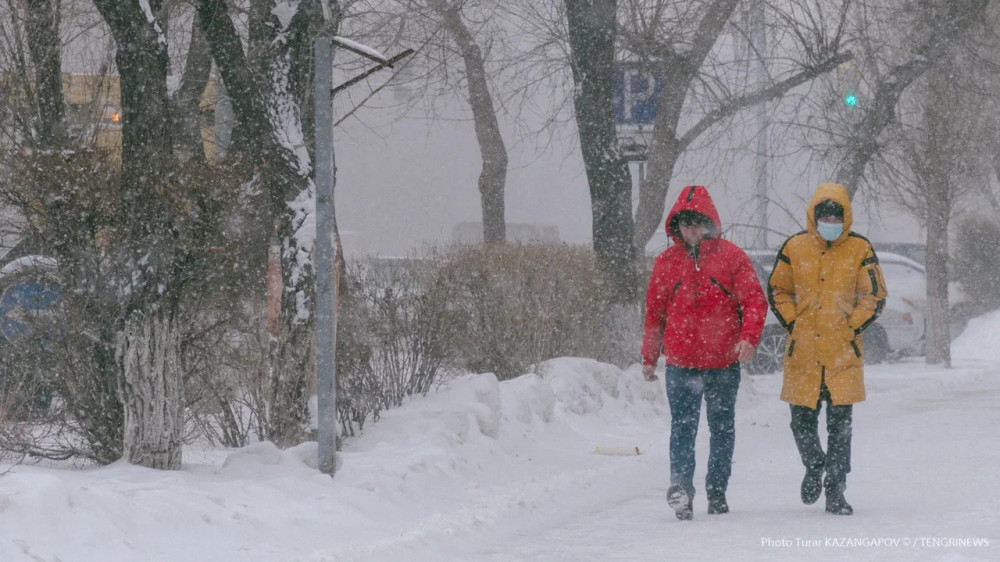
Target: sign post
635, 95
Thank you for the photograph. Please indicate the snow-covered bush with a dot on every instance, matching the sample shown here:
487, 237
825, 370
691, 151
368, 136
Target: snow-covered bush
395, 333
404, 322
524, 304
977, 253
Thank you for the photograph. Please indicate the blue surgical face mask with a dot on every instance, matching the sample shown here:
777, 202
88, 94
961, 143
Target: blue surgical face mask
830, 231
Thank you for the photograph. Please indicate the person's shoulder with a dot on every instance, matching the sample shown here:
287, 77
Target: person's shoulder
728, 246
860, 242
797, 239
730, 250
858, 238
671, 250
671, 253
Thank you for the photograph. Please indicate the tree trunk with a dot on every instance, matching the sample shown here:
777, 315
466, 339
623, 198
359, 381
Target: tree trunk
592, 28
187, 99
42, 31
147, 344
268, 110
147, 146
938, 319
252, 135
493, 177
292, 365
939, 187
295, 366
148, 355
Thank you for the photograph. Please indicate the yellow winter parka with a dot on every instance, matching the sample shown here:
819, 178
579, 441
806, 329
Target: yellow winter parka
825, 294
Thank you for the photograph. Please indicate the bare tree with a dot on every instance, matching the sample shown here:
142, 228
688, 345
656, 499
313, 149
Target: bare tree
933, 162
592, 33
268, 109
32, 112
186, 100
42, 32
702, 84
493, 178
461, 53
938, 26
940, 144
148, 341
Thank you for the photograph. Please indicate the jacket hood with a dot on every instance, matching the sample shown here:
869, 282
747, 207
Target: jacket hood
694, 198
836, 193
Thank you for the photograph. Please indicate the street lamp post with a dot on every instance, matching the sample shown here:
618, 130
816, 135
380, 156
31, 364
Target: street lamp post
326, 291
761, 172
326, 220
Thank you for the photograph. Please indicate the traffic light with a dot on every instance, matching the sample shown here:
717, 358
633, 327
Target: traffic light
849, 79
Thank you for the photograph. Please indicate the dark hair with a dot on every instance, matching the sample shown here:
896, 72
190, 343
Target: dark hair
689, 217
828, 208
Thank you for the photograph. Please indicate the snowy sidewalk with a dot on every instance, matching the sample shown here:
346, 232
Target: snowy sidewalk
488, 471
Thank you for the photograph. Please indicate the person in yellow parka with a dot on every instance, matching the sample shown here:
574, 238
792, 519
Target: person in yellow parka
826, 289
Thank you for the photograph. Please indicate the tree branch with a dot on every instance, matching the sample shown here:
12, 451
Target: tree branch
734, 105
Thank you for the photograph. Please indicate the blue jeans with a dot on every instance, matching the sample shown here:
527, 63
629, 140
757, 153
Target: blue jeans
685, 388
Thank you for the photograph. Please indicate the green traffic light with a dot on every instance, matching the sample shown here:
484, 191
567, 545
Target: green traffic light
851, 100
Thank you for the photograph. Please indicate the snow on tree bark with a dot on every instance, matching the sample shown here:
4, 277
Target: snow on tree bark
293, 359
269, 112
148, 354
147, 342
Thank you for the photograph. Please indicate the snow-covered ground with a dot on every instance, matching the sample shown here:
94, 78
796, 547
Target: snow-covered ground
497, 472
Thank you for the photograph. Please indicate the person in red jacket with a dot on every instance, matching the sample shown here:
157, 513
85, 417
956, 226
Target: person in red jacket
705, 311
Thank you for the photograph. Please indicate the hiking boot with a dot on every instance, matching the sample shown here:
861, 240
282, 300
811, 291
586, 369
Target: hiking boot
812, 485
835, 502
680, 501
717, 503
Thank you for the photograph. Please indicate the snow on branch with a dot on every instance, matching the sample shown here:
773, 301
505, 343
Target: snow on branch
361, 49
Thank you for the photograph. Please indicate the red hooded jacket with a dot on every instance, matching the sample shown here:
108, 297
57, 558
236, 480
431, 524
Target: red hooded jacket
699, 305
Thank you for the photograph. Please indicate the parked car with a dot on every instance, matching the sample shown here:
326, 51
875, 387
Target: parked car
29, 295
915, 251
898, 331
30, 322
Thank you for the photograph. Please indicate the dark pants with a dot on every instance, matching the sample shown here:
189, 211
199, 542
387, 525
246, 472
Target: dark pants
685, 388
805, 424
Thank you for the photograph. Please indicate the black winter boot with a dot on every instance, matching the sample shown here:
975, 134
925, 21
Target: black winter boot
680, 501
835, 501
717, 502
812, 485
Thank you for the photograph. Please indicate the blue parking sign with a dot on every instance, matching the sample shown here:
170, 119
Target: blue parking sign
635, 93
